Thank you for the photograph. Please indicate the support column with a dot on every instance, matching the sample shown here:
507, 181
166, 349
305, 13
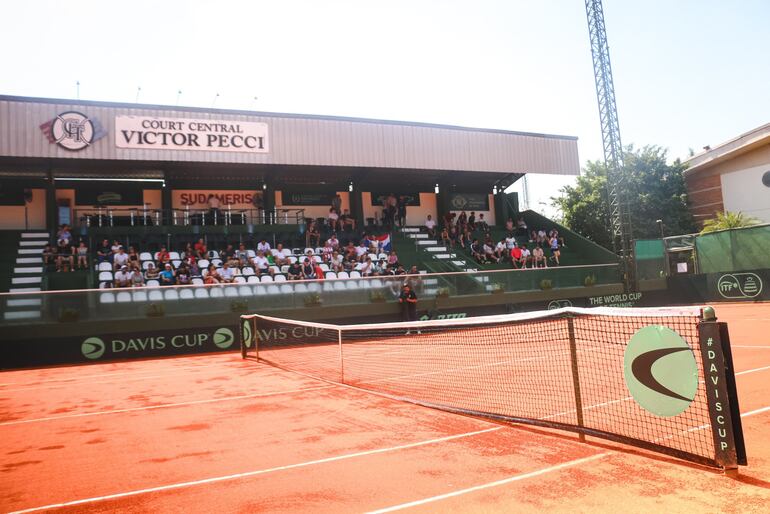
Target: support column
268, 200
51, 209
357, 208
442, 202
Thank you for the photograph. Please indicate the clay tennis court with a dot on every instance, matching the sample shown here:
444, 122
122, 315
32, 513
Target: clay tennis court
218, 433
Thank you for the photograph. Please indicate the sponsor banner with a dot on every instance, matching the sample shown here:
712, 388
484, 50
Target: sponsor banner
411, 199
468, 201
153, 133
111, 193
308, 199
195, 199
615, 300
129, 345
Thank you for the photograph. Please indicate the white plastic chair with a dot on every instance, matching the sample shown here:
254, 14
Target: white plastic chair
280, 278
324, 267
284, 269
286, 252
197, 281
252, 279
203, 263
104, 266
343, 274
216, 262
330, 275
245, 291
300, 287
105, 276
355, 274
216, 292
311, 250
273, 290
171, 294
123, 297
231, 291
107, 298
152, 283
146, 265
287, 289
201, 292
145, 256
247, 271
239, 280
318, 259
265, 278
213, 254
155, 295
140, 296
339, 285
251, 253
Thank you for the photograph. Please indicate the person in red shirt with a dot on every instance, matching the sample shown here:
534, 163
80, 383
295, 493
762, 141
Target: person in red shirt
163, 255
319, 273
516, 257
201, 249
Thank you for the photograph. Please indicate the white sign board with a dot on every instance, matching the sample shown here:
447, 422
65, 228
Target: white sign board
152, 133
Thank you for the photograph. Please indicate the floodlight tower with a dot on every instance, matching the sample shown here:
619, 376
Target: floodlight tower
620, 215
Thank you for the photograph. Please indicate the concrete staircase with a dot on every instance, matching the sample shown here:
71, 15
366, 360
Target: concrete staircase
27, 276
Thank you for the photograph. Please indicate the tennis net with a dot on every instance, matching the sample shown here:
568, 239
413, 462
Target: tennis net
659, 379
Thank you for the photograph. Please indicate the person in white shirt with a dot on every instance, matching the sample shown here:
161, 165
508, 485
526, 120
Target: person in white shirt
263, 246
120, 259
361, 251
367, 268
123, 277
500, 250
526, 256
227, 273
489, 252
261, 263
278, 256
334, 242
430, 224
334, 219
510, 243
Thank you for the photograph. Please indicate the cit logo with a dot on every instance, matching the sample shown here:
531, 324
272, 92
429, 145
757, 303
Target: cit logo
72, 130
92, 348
558, 304
739, 285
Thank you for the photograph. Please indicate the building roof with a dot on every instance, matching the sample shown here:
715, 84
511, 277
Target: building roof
739, 145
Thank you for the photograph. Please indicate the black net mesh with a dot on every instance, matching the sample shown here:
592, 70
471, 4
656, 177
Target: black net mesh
521, 369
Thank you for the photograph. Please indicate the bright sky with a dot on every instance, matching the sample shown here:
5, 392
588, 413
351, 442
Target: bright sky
687, 73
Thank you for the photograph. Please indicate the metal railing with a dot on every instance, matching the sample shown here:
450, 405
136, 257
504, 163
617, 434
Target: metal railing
146, 216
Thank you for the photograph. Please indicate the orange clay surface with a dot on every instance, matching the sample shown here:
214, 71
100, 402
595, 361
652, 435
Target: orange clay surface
216, 433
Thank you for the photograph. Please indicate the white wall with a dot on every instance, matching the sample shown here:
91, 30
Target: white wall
743, 191
314, 211
489, 216
415, 215
12, 217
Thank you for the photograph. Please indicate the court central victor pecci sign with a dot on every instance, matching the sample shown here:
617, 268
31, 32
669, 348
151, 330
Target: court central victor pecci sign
149, 132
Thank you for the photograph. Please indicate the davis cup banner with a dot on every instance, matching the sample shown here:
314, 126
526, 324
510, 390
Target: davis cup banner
148, 132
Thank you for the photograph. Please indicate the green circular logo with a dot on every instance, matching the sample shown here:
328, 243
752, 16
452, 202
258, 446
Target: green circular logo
660, 371
247, 333
224, 338
92, 348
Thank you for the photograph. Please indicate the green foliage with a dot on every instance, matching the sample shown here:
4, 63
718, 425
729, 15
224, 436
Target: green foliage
728, 220
654, 190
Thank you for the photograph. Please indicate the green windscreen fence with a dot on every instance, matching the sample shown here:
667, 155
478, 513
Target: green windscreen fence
650, 255
734, 250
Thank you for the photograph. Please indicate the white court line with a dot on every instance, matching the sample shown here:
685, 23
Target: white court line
524, 476
744, 372
257, 472
165, 405
514, 478
748, 346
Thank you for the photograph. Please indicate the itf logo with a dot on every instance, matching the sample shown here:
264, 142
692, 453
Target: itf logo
660, 370
72, 130
739, 285
247, 335
92, 348
224, 338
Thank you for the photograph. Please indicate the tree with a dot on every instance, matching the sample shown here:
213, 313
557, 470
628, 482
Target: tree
654, 190
728, 220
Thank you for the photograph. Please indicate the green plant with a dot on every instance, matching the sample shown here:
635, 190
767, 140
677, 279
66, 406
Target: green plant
727, 220
312, 299
443, 292
68, 315
546, 284
155, 310
589, 281
497, 289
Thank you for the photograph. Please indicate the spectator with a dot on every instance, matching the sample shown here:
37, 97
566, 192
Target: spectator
308, 270
104, 253
136, 278
319, 272
120, 259
516, 257
500, 250
212, 275
66, 255
336, 262
294, 272
510, 243
445, 239
337, 203
241, 256
348, 222
163, 255
122, 277
227, 274
401, 203
82, 254
312, 235
526, 256
261, 264
152, 272
263, 246
489, 252
555, 249
430, 224
115, 246
361, 251
133, 258
509, 225
449, 219
538, 258
541, 237
333, 219
477, 251
278, 255
393, 259
333, 241
521, 227
327, 251
201, 249
472, 221
49, 256
482, 223
367, 268
183, 275
167, 276
228, 253
462, 220
193, 268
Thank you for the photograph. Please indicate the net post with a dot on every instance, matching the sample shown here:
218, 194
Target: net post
575, 374
342, 362
716, 369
